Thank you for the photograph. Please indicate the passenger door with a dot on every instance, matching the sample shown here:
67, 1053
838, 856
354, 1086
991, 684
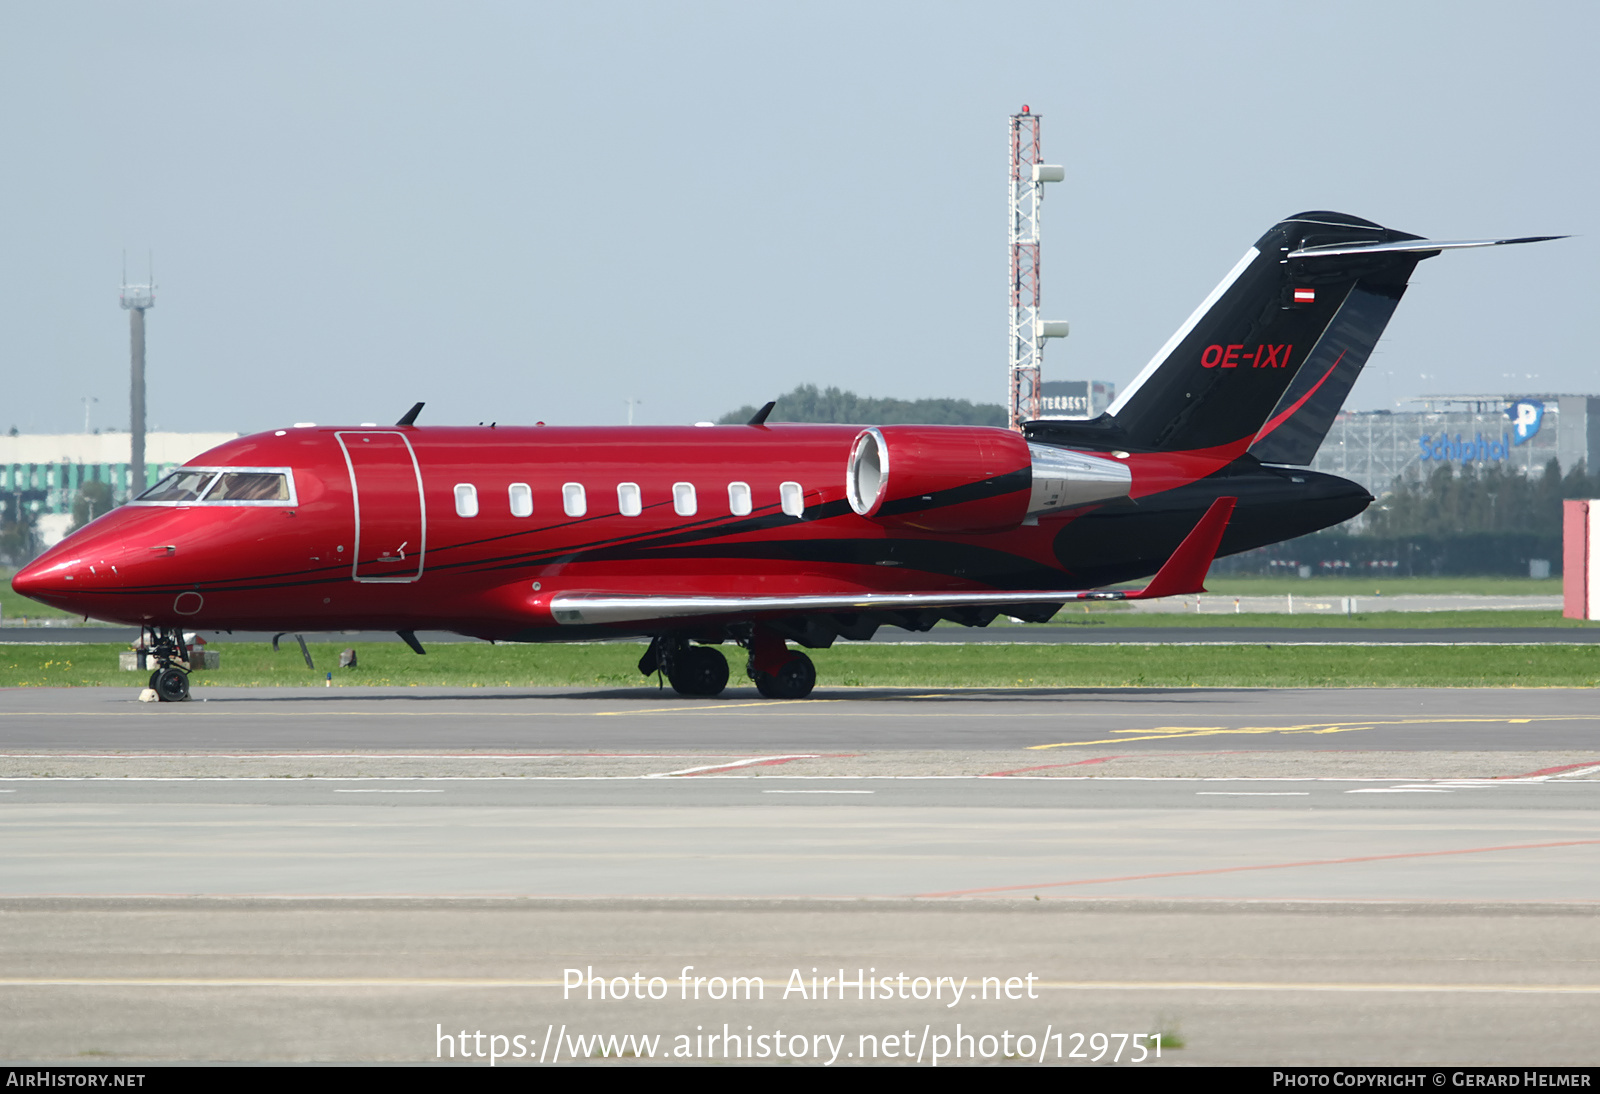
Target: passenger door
391, 522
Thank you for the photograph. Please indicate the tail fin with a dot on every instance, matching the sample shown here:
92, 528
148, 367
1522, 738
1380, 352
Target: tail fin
1267, 359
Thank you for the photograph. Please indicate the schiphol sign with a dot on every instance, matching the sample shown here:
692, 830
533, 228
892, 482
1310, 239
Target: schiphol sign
1526, 416
1465, 451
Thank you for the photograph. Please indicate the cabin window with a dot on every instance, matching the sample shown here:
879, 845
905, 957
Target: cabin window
793, 499
739, 499
573, 501
628, 503
521, 500
466, 500
683, 500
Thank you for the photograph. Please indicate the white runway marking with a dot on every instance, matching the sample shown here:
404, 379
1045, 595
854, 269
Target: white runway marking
819, 791
731, 766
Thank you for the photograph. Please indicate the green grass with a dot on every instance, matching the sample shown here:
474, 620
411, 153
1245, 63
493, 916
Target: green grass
465, 665
1388, 586
1074, 617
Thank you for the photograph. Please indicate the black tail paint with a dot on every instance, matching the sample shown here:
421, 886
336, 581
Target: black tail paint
1269, 357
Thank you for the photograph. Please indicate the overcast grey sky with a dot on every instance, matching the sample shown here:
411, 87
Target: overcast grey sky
532, 211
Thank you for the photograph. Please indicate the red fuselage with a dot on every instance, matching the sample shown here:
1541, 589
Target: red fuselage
475, 530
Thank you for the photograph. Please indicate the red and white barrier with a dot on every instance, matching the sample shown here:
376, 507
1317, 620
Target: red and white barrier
1580, 558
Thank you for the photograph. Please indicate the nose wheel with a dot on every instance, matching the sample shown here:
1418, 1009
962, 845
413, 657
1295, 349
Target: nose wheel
165, 646
170, 684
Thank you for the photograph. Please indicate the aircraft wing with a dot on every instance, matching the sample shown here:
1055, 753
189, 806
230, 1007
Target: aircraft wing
1183, 573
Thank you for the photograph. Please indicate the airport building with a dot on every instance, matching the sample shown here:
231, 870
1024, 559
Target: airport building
1075, 398
41, 473
1376, 447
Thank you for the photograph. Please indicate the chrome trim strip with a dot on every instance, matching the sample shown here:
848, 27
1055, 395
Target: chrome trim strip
574, 608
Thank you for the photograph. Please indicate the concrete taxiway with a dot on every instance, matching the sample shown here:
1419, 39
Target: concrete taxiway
834, 719
1269, 876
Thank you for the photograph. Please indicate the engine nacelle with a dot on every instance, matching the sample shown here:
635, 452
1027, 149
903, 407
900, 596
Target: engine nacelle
970, 479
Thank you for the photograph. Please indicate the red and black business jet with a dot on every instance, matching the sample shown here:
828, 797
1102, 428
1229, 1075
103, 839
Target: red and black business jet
765, 534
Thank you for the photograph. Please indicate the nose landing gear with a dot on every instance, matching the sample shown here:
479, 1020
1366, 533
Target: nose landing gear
165, 646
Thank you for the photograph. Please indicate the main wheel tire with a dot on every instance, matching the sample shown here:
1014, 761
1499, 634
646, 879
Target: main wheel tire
154, 676
699, 672
171, 684
794, 681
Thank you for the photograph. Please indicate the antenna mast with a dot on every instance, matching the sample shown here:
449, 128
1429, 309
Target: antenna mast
1028, 331
136, 300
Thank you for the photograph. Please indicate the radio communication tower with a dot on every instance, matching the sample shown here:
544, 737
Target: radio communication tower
136, 300
1028, 331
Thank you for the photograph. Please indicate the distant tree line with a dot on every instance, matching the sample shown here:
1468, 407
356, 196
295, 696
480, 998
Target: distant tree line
808, 403
1454, 521
1495, 499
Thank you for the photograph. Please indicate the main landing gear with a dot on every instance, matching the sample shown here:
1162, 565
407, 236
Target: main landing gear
698, 672
701, 672
164, 646
778, 671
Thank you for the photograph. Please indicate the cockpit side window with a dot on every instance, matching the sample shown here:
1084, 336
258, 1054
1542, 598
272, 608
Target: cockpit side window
249, 486
222, 486
184, 484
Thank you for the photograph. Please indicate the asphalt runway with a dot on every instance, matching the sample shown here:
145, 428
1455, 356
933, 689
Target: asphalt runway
834, 719
1271, 877
886, 838
125, 982
1444, 922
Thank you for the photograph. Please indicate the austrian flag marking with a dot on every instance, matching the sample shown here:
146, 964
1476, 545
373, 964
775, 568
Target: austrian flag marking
1305, 296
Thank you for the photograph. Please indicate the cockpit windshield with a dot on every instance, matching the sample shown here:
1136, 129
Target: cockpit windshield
180, 486
222, 486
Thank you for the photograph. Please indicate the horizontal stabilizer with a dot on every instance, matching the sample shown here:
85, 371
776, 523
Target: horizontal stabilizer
1302, 309
1183, 573
1411, 246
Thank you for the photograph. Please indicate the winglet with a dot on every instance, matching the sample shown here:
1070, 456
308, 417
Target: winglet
1185, 571
760, 416
411, 415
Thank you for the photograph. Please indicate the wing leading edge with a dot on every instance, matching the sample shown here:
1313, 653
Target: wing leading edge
1183, 573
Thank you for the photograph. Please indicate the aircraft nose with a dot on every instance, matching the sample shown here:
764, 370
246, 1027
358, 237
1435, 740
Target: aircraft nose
82, 564
29, 581
42, 579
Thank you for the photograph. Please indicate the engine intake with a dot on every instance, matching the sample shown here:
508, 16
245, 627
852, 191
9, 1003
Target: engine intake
970, 479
